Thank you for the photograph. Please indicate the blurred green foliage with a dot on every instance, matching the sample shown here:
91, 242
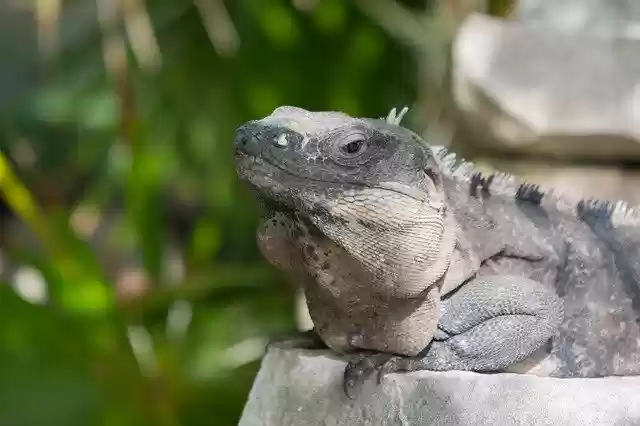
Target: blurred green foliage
146, 150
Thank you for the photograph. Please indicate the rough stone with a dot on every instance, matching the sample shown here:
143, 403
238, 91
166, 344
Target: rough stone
608, 18
303, 387
522, 88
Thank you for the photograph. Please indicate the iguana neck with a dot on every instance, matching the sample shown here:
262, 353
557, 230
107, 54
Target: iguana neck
438, 271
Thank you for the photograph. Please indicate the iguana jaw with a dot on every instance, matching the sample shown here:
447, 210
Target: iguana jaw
258, 176
405, 253
262, 177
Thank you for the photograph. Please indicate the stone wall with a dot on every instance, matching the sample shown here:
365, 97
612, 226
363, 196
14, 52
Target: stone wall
556, 103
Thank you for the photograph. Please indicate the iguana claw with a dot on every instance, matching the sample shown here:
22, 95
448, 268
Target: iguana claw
365, 364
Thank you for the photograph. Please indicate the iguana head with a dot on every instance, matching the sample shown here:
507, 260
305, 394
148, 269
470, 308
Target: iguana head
369, 185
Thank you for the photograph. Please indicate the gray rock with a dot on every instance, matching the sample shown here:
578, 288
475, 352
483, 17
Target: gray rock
608, 18
303, 387
531, 90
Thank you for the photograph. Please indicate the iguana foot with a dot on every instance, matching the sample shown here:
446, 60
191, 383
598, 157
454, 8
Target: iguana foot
397, 364
366, 365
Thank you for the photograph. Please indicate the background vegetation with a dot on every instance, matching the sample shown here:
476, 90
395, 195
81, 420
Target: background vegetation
131, 289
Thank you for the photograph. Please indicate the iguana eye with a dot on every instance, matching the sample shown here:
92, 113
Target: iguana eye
353, 147
353, 144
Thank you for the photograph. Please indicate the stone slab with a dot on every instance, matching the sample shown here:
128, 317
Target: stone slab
609, 18
303, 387
527, 89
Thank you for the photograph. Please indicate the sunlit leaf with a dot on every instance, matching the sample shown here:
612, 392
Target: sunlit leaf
100, 111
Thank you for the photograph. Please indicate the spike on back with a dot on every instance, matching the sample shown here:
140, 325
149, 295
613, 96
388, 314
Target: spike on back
392, 118
620, 213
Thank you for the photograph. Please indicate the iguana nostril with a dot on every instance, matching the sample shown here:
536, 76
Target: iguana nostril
246, 140
254, 137
242, 136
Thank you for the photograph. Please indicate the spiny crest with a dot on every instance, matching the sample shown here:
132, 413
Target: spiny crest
508, 185
618, 212
461, 169
392, 118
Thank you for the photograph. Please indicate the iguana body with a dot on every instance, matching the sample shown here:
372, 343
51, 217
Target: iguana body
413, 260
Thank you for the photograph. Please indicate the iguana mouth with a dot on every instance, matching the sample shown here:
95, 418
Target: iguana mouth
255, 171
247, 161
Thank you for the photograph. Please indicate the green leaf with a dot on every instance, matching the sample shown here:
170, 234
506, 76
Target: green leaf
100, 111
145, 207
79, 285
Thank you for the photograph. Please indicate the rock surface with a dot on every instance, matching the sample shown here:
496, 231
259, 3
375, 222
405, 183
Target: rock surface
609, 18
303, 387
524, 88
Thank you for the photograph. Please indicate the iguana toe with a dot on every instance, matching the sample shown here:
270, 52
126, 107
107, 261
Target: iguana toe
393, 365
360, 369
397, 364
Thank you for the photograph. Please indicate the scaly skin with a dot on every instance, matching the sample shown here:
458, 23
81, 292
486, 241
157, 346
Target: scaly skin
411, 259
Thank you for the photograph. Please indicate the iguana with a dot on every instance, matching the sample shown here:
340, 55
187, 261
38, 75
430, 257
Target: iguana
411, 258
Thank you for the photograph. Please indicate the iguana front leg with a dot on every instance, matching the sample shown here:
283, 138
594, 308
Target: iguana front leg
487, 325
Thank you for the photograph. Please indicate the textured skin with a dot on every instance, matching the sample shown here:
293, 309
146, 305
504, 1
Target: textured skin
413, 259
